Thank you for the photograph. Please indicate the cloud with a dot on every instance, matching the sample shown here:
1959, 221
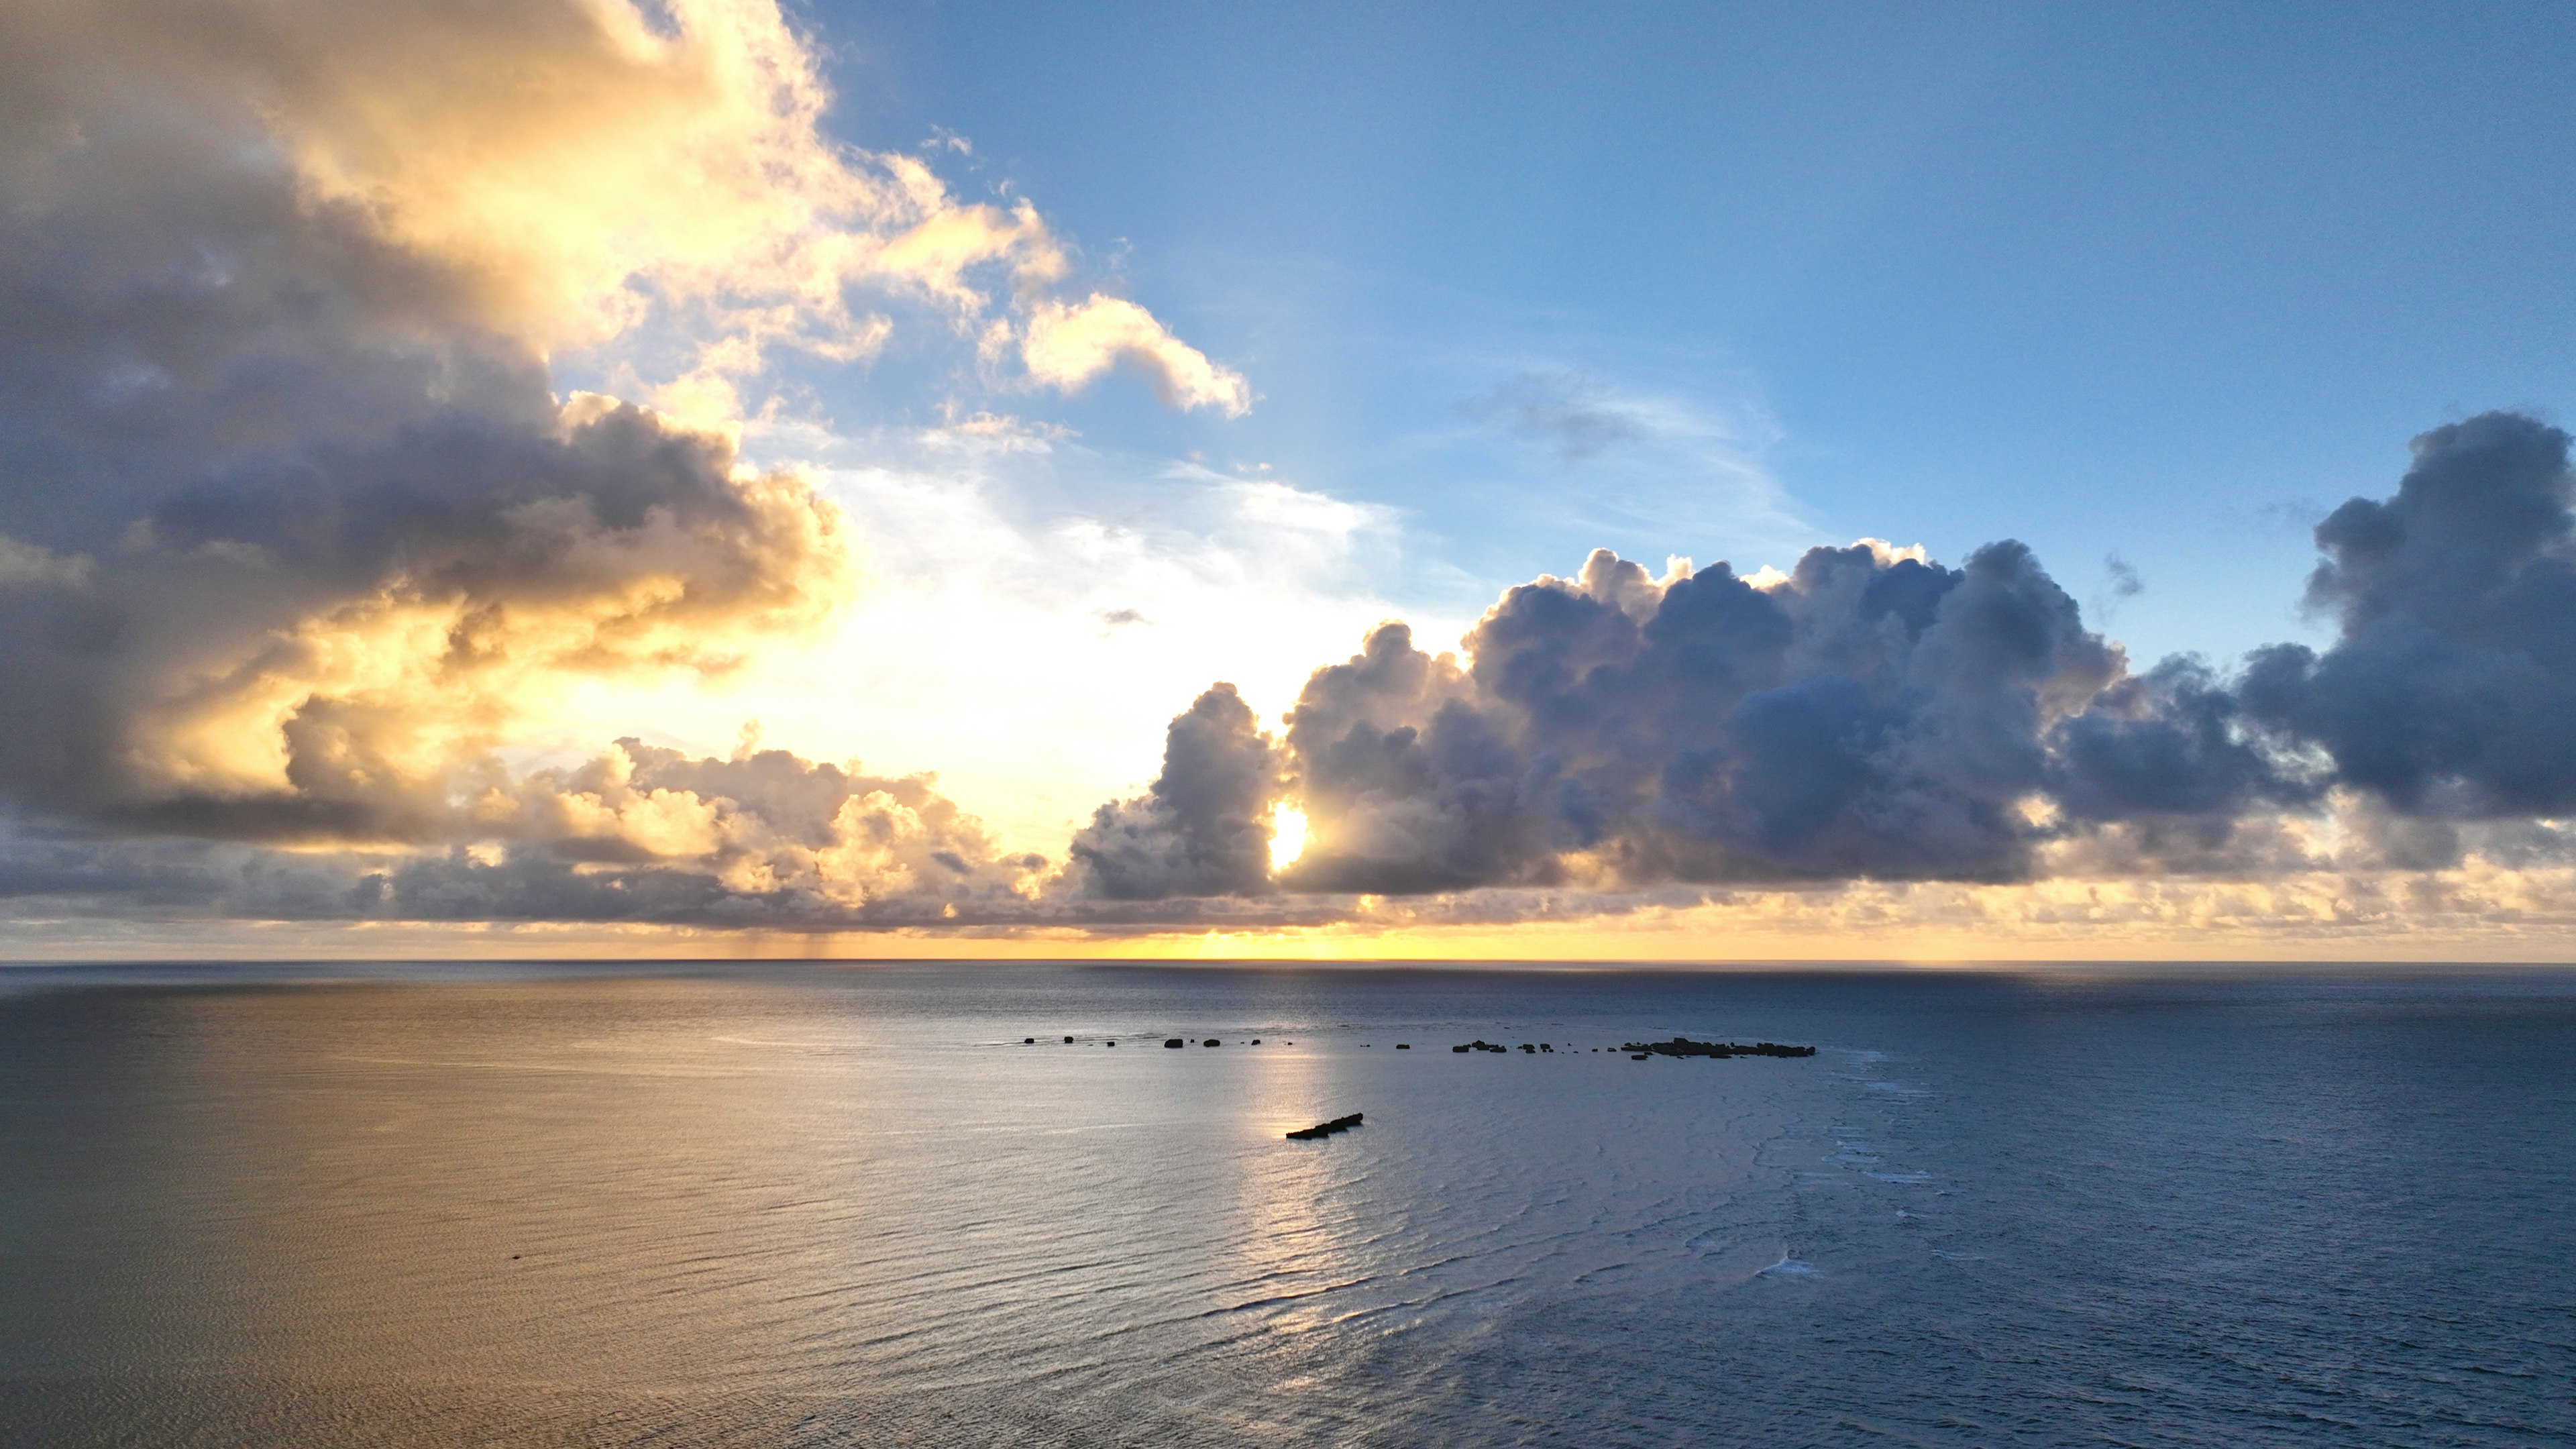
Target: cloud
2172, 748
765, 839
985, 641
1564, 409
329, 645
1877, 717
638, 834
2451, 684
1069, 344
1203, 828
563, 174
1660, 459
301, 527
309, 545
1868, 715
2120, 583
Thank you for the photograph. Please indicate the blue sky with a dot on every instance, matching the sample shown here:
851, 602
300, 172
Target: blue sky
2165, 282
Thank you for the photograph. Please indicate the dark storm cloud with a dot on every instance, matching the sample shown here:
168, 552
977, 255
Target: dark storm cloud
2451, 686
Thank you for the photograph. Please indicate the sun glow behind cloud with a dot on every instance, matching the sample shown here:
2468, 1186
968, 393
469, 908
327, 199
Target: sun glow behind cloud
1028, 655
1287, 835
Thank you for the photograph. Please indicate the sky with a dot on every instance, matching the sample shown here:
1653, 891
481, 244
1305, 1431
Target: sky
2162, 282
702, 478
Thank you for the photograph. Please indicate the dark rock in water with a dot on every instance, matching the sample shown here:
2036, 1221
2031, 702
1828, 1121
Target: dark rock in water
1068, 1041
1404, 1046
1682, 1046
1174, 1042
1480, 1045
1112, 1043
1028, 1041
1461, 1049
1325, 1129
1256, 1041
1641, 1057
1211, 1041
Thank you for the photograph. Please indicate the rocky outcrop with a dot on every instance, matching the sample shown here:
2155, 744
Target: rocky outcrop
1682, 1046
1325, 1129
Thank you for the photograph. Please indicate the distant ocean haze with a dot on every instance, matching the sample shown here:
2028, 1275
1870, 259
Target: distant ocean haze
765, 1205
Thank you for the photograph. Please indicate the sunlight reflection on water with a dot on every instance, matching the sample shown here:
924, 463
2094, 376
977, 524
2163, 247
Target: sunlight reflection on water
847, 1207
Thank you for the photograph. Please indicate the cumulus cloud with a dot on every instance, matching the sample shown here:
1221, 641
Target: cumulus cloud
2451, 686
637, 835
2172, 746
1874, 716
299, 526
1068, 344
1203, 828
1868, 714
764, 838
1035, 611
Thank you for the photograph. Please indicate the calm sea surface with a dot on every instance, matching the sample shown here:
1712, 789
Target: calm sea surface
791, 1206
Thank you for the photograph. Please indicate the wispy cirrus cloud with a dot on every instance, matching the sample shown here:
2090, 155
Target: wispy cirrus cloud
1568, 411
1634, 466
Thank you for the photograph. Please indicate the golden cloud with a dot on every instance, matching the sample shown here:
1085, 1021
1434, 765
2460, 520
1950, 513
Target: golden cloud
1067, 345
318, 533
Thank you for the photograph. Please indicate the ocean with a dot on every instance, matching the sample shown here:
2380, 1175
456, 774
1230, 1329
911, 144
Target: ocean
880, 1205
